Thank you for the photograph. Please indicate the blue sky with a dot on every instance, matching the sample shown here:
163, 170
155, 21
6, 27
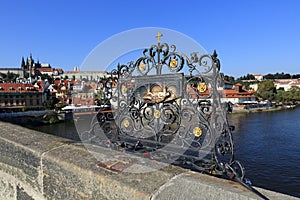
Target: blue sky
253, 36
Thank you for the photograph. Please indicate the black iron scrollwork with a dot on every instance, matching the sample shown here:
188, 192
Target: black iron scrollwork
166, 103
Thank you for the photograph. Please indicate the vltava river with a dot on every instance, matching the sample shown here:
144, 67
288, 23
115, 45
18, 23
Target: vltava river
267, 143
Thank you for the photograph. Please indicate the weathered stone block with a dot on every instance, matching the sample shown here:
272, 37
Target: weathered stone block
22, 195
7, 189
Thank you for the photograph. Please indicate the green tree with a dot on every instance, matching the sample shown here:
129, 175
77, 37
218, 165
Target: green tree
48, 105
288, 97
26, 75
266, 90
9, 76
280, 96
3, 75
295, 94
48, 77
229, 79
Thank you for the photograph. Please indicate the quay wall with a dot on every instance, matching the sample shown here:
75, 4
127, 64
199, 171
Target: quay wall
35, 165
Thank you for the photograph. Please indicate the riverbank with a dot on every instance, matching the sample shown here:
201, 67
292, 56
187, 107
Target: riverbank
261, 109
32, 117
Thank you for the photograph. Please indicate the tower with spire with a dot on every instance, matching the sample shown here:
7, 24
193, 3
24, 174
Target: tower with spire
28, 66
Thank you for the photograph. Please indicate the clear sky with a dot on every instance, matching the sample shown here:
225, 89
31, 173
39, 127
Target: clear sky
250, 36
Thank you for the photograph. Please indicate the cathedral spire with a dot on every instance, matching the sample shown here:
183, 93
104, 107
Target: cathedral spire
23, 63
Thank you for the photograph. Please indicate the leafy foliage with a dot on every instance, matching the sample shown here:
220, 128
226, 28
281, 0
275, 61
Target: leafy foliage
288, 97
9, 77
266, 90
247, 77
277, 76
229, 79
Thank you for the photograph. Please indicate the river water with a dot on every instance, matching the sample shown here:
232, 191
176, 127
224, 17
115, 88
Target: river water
267, 143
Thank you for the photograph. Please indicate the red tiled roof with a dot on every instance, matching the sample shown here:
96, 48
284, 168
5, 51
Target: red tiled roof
56, 82
18, 88
236, 94
92, 85
60, 70
45, 69
282, 82
85, 101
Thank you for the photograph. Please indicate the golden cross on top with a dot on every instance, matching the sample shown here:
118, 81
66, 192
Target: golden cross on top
158, 36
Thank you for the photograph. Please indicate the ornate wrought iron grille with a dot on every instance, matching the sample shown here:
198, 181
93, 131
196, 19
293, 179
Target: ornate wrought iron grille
168, 105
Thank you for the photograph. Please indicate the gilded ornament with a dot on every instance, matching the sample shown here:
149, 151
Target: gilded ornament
142, 66
197, 131
173, 63
158, 36
123, 89
201, 87
157, 94
157, 114
126, 123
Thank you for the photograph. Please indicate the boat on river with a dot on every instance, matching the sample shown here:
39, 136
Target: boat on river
71, 111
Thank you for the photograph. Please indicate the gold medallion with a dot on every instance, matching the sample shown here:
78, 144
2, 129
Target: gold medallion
197, 131
123, 89
201, 87
126, 123
157, 114
142, 66
173, 63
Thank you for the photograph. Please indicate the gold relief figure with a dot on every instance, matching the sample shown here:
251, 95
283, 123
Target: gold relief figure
173, 93
158, 94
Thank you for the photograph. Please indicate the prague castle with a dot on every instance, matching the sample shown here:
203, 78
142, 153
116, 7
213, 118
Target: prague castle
31, 68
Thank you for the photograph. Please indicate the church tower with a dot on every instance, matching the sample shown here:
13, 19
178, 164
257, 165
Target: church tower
30, 61
23, 66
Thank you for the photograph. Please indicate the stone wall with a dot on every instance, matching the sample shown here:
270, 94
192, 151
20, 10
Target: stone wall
35, 165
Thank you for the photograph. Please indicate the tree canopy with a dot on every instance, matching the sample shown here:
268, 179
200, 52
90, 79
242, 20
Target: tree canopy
266, 90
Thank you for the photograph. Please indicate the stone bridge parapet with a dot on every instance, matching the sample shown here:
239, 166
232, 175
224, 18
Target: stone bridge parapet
35, 165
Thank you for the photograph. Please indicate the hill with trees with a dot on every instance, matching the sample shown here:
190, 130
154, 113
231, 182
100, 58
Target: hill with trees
266, 88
